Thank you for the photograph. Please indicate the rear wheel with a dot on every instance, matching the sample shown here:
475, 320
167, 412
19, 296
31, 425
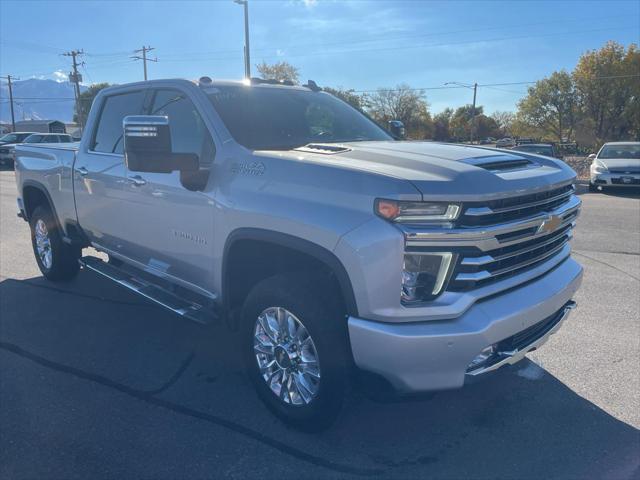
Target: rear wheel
593, 188
295, 349
57, 261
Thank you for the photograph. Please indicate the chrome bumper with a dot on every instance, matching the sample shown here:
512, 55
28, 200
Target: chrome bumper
436, 354
509, 357
615, 179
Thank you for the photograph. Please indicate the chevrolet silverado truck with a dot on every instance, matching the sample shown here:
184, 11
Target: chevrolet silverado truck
330, 246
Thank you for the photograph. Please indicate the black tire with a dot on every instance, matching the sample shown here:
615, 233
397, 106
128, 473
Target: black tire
324, 319
63, 264
593, 188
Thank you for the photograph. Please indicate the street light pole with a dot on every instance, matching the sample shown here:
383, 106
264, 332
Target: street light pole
247, 59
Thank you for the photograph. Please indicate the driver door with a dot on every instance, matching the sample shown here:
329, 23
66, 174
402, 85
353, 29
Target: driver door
170, 221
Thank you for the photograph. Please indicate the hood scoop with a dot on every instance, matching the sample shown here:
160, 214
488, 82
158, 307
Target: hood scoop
501, 163
323, 148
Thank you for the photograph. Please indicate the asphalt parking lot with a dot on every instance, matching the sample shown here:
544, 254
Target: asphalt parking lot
97, 383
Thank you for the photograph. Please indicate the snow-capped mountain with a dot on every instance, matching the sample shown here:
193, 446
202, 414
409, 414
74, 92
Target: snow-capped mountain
38, 99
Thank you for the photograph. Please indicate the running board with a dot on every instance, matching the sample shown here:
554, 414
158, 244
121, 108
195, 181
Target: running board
161, 296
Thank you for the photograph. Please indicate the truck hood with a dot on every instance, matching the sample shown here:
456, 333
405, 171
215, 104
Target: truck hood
631, 165
443, 171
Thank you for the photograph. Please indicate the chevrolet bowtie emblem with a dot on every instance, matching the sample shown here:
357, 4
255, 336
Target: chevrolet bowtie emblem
550, 224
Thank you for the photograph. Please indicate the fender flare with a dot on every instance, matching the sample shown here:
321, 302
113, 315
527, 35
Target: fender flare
314, 250
39, 186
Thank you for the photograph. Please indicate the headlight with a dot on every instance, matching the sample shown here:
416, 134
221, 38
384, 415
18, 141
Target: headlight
408, 212
424, 275
598, 167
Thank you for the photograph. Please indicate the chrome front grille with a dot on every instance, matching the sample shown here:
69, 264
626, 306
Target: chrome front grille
529, 233
506, 209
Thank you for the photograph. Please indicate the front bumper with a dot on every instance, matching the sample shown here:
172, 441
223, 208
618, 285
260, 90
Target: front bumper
615, 179
435, 355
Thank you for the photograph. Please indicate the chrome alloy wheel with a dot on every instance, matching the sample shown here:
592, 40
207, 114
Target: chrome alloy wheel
43, 244
286, 356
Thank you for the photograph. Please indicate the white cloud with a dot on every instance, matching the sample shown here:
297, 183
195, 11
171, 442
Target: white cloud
59, 76
306, 3
280, 53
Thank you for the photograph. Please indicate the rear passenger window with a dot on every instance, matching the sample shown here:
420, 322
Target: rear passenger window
108, 136
188, 131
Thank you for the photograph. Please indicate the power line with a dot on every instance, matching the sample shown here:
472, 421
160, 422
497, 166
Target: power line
530, 82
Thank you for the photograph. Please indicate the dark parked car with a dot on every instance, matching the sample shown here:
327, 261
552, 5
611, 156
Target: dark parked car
7, 143
538, 148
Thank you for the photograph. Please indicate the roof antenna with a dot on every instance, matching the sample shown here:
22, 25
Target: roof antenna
313, 86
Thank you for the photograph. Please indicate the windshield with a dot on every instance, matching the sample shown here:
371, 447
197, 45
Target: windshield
262, 118
14, 137
540, 150
624, 150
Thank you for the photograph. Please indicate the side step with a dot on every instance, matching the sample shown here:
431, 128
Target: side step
185, 308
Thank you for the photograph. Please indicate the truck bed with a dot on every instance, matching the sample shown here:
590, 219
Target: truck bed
49, 165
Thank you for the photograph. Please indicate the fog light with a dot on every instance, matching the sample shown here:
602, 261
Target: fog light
482, 357
424, 275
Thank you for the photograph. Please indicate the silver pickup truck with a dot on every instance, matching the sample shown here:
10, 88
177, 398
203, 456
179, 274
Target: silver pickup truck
328, 244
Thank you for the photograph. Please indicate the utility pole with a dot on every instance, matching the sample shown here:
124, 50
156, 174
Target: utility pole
13, 118
76, 78
473, 113
144, 58
247, 60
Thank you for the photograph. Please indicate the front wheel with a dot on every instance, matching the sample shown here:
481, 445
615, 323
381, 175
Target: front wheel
295, 349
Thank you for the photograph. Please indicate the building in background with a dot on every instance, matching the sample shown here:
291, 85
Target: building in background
42, 126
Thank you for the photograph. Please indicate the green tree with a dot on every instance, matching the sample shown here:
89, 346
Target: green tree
279, 71
441, 125
608, 91
84, 102
465, 122
401, 103
348, 96
550, 107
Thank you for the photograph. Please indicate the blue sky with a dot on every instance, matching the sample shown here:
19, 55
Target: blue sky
361, 44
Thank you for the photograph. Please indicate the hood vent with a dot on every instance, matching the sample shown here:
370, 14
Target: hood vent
323, 148
501, 163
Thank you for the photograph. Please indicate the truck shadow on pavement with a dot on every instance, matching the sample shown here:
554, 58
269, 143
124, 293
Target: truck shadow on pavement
519, 423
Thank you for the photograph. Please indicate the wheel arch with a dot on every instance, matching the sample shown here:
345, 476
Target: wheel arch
34, 194
288, 243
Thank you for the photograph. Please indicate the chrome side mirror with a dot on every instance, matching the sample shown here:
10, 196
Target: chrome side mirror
147, 146
591, 156
396, 127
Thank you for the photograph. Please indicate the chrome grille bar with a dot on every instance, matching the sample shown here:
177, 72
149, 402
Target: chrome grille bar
481, 211
485, 275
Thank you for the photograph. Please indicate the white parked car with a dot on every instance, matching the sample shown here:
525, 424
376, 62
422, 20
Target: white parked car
617, 164
505, 143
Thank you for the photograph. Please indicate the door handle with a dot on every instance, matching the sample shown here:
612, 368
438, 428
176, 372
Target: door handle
82, 171
137, 181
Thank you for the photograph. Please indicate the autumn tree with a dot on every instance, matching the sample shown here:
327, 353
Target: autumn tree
401, 103
280, 71
504, 121
608, 92
349, 96
85, 101
550, 107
